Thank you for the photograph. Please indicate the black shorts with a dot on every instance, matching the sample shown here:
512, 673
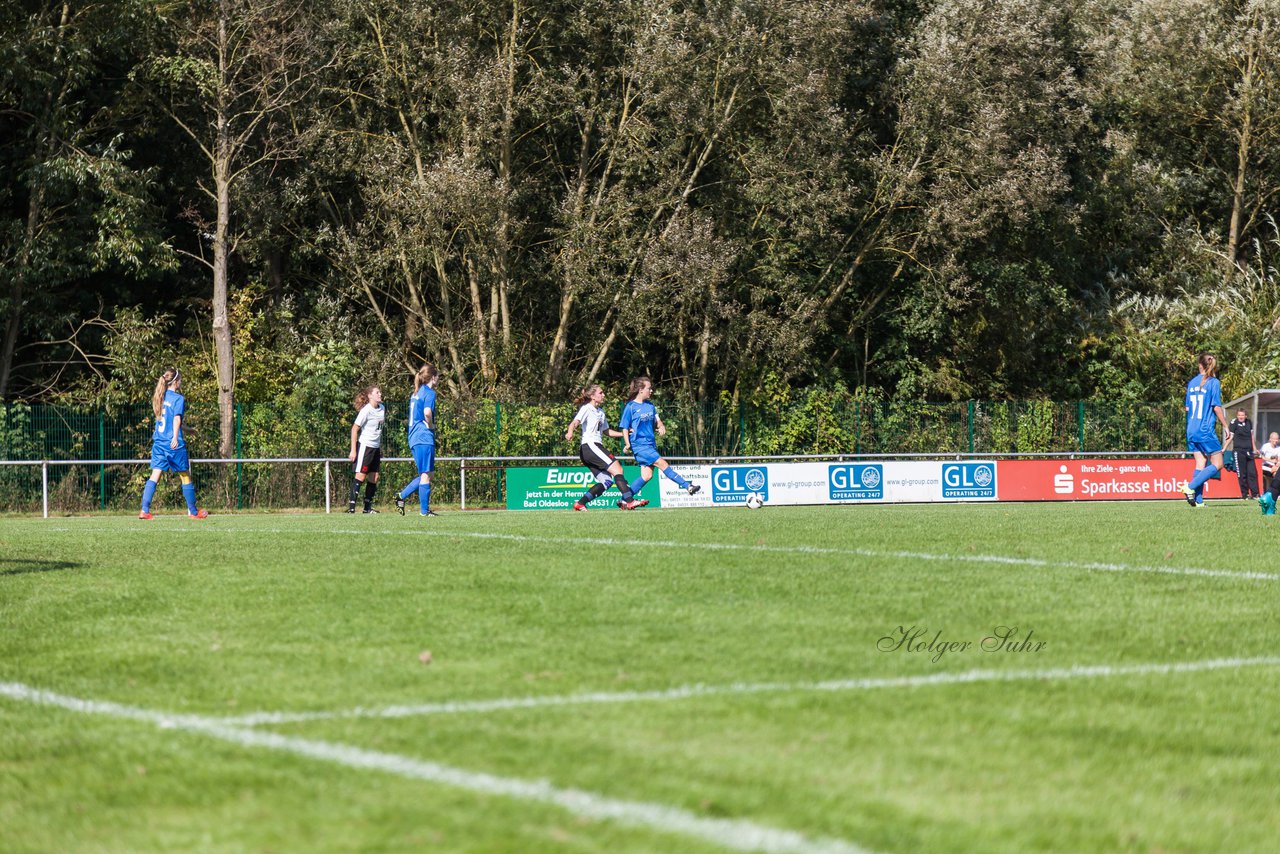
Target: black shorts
368, 460
595, 457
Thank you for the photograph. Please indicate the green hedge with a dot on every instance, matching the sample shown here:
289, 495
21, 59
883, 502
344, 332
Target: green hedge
812, 421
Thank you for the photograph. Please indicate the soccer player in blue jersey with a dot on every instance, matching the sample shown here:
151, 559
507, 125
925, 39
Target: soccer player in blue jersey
604, 467
168, 447
1203, 404
422, 439
639, 421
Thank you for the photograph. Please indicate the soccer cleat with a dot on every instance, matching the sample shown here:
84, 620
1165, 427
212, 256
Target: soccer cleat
400, 505
693, 489
199, 514
578, 505
624, 505
351, 507
1188, 493
1199, 505
145, 515
429, 513
640, 502
632, 504
370, 510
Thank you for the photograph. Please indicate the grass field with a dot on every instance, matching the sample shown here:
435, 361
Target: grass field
695, 680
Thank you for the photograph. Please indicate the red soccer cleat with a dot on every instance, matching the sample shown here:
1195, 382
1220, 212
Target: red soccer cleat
640, 502
199, 514
145, 515
578, 505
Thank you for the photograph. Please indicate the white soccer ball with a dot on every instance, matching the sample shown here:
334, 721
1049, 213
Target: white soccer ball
755, 500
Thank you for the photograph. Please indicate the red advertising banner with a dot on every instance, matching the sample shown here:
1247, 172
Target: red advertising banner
1102, 480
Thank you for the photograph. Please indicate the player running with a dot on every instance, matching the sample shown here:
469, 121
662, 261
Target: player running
1203, 404
422, 439
639, 421
604, 466
168, 447
366, 447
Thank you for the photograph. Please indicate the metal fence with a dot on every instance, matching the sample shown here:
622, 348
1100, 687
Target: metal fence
282, 454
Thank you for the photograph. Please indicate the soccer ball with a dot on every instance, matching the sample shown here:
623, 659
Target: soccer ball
755, 500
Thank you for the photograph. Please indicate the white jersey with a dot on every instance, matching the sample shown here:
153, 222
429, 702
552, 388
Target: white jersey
1270, 457
594, 423
370, 423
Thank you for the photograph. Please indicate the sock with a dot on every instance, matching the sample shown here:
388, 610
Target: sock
637, 485
595, 491
354, 492
148, 493
675, 475
410, 488
625, 488
370, 490
189, 493
1197, 482
424, 497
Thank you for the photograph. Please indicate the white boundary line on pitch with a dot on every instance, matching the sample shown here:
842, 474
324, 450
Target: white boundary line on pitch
735, 834
819, 551
691, 691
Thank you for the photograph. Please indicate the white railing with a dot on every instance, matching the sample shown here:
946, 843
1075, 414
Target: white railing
503, 462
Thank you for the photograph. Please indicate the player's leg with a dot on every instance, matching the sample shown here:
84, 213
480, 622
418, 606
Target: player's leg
673, 475
149, 493
373, 466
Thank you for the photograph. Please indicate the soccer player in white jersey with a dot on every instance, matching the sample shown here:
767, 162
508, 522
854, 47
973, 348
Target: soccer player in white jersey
366, 446
604, 466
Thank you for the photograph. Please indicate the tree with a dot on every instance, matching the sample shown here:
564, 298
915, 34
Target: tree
71, 203
233, 71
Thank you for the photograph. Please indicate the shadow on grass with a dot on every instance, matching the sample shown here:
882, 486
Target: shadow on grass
23, 565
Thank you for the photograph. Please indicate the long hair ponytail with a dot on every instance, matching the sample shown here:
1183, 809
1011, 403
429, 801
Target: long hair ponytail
637, 384
425, 374
586, 394
1208, 367
168, 378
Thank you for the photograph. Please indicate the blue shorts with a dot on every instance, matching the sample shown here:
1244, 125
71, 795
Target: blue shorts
646, 455
424, 456
1207, 445
169, 459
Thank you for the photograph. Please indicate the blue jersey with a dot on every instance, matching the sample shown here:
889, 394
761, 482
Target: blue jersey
174, 405
640, 419
422, 400
1202, 421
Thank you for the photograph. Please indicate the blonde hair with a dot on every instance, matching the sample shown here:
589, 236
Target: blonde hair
586, 394
1208, 367
168, 378
425, 374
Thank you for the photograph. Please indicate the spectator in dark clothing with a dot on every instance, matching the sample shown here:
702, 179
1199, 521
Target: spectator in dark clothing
1246, 449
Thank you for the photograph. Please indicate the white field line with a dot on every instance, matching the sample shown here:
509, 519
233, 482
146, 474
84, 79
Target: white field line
1037, 563
692, 691
734, 834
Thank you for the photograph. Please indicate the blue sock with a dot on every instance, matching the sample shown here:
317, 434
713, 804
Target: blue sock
675, 475
410, 488
1203, 475
637, 485
189, 493
424, 497
148, 493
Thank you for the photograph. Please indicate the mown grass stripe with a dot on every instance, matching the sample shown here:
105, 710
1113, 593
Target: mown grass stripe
686, 692
733, 834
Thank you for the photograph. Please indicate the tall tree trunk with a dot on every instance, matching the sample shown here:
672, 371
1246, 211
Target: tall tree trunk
1242, 161
222, 177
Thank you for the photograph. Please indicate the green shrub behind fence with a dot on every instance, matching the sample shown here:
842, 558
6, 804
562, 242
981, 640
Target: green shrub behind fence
817, 421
